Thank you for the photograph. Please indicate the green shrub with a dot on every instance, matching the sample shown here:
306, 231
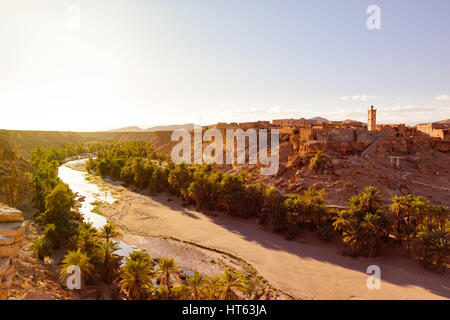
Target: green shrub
50, 236
41, 248
318, 161
433, 249
102, 168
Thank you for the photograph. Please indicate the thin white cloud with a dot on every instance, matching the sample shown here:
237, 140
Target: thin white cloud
235, 113
276, 110
362, 97
443, 97
408, 114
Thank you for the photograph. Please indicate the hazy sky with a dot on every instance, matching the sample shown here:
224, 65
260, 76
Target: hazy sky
163, 62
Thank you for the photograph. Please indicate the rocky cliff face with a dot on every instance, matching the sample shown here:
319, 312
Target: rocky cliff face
15, 148
12, 232
14, 189
413, 145
423, 168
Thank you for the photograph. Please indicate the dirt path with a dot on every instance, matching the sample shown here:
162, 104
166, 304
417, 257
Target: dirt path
432, 186
309, 269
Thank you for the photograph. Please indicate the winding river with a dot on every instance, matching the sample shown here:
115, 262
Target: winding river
309, 270
91, 193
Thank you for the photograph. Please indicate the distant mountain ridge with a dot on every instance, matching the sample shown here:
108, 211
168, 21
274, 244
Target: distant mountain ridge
321, 119
350, 121
318, 119
446, 121
188, 126
127, 129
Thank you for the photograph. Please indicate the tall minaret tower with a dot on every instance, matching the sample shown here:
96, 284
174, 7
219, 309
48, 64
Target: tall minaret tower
372, 119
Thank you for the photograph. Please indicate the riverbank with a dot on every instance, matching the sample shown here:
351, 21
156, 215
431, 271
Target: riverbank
35, 279
307, 268
93, 193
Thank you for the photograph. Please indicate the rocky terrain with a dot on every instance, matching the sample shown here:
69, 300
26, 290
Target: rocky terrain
13, 180
351, 165
15, 148
424, 169
305, 268
12, 230
22, 276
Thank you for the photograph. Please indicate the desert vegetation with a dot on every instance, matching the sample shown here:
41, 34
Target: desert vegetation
54, 201
141, 278
369, 223
365, 226
95, 251
317, 162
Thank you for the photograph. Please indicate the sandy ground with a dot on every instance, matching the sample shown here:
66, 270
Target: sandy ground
187, 257
307, 268
35, 279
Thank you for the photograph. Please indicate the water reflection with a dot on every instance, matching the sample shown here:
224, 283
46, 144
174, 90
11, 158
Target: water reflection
89, 193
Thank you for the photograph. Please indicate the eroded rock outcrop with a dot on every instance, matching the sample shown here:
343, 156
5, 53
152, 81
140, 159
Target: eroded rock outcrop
12, 232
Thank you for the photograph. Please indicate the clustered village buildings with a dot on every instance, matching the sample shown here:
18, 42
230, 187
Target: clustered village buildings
344, 131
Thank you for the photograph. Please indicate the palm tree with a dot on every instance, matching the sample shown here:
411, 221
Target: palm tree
354, 202
313, 202
195, 286
421, 208
398, 207
213, 287
179, 177
375, 225
354, 237
408, 235
408, 202
137, 276
404, 209
79, 259
109, 231
164, 293
294, 213
87, 239
178, 292
232, 190
439, 216
167, 269
363, 222
371, 199
194, 192
161, 293
276, 216
343, 222
111, 261
434, 248
140, 256
313, 197
231, 281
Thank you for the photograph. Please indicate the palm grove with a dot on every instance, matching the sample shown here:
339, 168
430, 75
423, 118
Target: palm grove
420, 229
95, 251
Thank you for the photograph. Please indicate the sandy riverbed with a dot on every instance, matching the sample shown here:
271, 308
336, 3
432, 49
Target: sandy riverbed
307, 268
